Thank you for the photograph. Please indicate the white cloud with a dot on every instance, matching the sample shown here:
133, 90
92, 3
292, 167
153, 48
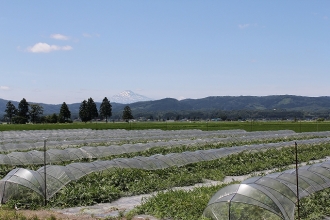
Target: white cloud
87, 35
4, 88
46, 48
59, 37
242, 26
66, 47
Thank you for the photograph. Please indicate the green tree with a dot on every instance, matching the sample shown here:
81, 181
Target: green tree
92, 109
65, 113
11, 111
127, 113
43, 119
51, 118
83, 112
35, 112
223, 117
23, 111
105, 109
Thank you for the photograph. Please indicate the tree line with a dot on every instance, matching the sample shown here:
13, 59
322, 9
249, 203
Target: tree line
26, 112
88, 111
228, 115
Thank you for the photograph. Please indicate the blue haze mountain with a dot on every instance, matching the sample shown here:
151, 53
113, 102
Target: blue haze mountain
224, 103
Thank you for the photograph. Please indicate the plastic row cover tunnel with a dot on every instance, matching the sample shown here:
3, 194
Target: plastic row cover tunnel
87, 152
58, 176
24, 140
77, 138
268, 197
106, 138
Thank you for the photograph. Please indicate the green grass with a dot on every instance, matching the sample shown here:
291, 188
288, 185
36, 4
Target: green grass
7, 213
178, 204
300, 126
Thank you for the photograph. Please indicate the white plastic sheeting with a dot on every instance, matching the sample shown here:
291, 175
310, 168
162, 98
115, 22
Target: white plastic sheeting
58, 176
55, 155
27, 140
268, 197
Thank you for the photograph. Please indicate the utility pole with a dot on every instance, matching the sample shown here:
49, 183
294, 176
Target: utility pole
296, 150
45, 201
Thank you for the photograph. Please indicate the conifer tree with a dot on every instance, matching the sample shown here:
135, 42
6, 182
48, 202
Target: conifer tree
105, 109
127, 113
23, 112
65, 113
92, 109
11, 111
83, 112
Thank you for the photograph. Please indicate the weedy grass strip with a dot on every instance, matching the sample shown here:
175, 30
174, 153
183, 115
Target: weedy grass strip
177, 204
7, 213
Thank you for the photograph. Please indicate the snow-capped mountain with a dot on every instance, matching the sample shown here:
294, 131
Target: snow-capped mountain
127, 97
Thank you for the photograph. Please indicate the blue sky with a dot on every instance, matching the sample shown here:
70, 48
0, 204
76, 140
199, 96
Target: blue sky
67, 51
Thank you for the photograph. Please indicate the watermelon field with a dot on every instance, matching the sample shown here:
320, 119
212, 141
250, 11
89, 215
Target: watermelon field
91, 163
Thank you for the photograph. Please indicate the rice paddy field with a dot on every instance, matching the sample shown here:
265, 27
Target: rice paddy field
90, 163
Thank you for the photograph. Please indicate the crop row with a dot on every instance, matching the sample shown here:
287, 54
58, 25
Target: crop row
58, 156
253, 138
76, 137
106, 138
59, 176
116, 182
179, 204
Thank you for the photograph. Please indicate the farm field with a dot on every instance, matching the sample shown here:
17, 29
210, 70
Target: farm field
298, 126
88, 165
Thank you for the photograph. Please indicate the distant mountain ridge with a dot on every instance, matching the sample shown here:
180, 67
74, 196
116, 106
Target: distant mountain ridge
227, 103
223, 103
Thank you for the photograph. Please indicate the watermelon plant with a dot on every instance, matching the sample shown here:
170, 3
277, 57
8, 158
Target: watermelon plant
126, 182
